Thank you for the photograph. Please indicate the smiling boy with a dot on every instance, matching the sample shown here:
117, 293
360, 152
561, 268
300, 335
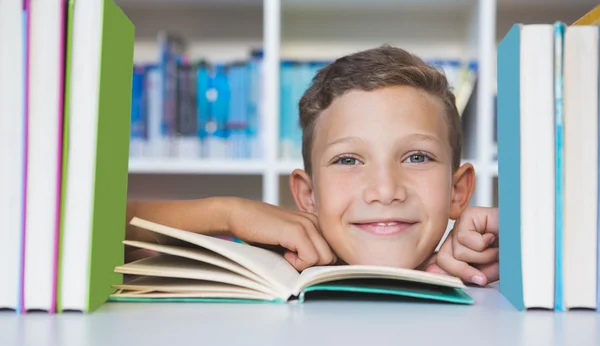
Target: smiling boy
381, 147
382, 177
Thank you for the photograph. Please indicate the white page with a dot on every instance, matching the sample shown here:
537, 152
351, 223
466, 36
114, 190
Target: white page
320, 274
185, 288
206, 295
266, 264
179, 267
201, 255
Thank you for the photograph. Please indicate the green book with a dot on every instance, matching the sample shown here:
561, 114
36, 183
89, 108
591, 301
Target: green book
191, 267
98, 100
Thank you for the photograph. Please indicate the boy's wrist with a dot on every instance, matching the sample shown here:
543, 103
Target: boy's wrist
221, 208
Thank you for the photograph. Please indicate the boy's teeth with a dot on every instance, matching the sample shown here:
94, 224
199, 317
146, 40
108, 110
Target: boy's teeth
386, 224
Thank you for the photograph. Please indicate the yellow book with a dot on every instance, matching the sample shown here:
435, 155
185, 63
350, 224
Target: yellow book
590, 18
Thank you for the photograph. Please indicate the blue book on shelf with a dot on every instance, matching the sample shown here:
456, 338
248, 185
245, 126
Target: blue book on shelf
138, 109
509, 167
236, 121
253, 105
203, 103
285, 120
220, 112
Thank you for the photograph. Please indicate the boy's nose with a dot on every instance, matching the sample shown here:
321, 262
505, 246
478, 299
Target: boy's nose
384, 185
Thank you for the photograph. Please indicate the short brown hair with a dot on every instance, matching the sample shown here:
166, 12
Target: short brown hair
370, 70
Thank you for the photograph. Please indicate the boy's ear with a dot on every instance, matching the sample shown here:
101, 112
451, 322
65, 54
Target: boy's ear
302, 189
463, 184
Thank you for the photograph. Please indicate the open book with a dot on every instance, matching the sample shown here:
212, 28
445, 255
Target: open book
194, 267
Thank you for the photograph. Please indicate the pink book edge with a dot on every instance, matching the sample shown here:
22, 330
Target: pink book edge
61, 112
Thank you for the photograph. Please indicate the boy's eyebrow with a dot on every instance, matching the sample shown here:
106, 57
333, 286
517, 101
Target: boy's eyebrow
426, 137
341, 140
418, 136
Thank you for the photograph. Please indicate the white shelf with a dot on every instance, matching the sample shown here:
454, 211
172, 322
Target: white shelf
227, 29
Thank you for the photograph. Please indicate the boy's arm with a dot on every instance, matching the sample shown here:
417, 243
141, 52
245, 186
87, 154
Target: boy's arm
205, 216
296, 232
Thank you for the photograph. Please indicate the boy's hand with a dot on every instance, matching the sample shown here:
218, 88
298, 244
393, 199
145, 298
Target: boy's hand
297, 232
470, 251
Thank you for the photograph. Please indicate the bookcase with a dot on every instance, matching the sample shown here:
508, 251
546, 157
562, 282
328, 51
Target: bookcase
310, 29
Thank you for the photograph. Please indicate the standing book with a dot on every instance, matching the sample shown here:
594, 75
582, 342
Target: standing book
12, 145
100, 66
43, 151
199, 268
526, 165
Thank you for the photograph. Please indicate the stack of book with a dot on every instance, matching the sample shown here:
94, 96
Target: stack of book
65, 98
548, 166
189, 108
195, 109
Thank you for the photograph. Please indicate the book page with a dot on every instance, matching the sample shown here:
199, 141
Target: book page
161, 287
184, 268
321, 274
196, 295
199, 254
266, 264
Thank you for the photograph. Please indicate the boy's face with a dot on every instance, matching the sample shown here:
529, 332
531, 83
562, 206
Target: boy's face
382, 184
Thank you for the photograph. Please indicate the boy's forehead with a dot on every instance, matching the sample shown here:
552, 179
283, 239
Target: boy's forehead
385, 112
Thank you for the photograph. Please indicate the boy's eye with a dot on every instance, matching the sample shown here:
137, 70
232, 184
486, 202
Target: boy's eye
418, 158
347, 161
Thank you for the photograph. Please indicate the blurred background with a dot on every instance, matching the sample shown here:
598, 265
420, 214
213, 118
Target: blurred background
217, 82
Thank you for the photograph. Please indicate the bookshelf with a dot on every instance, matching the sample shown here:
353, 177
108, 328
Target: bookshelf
310, 29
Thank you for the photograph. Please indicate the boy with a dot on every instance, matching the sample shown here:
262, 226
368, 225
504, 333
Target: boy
382, 176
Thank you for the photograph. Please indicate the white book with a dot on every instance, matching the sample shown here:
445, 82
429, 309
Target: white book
537, 164
580, 219
45, 114
12, 153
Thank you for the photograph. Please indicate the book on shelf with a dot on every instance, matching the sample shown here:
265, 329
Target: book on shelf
70, 98
197, 268
226, 101
548, 166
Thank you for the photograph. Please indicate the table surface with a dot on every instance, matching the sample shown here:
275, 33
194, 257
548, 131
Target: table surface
490, 321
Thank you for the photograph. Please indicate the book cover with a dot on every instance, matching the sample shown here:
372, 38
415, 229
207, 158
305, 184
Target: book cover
110, 185
12, 134
509, 167
559, 33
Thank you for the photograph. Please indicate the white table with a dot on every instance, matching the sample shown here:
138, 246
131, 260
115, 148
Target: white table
491, 321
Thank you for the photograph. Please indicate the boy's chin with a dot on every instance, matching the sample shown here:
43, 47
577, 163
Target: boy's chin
407, 261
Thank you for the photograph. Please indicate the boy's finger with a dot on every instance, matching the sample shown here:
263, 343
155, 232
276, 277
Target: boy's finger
475, 240
460, 269
478, 219
298, 241
434, 268
311, 217
465, 254
491, 271
326, 256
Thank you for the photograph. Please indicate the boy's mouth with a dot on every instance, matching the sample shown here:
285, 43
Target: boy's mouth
384, 227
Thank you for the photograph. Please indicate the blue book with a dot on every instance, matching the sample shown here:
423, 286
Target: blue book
286, 123
559, 35
138, 112
509, 167
253, 105
220, 108
203, 103
526, 164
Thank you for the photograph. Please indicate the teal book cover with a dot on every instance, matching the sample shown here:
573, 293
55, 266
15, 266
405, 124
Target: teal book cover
509, 156
559, 35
